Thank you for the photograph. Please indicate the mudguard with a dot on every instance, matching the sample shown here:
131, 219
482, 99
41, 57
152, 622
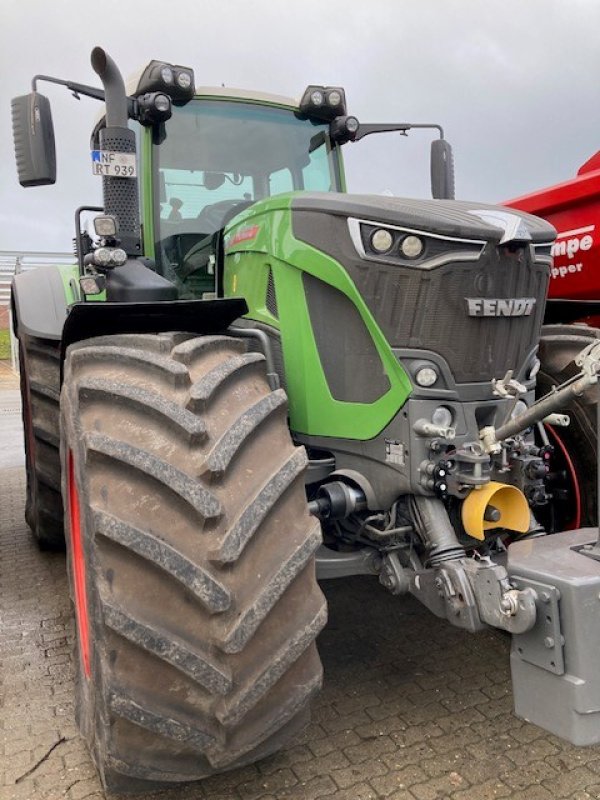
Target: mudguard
86, 320
41, 309
39, 303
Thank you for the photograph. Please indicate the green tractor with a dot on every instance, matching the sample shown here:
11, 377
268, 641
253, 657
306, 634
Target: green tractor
252, 380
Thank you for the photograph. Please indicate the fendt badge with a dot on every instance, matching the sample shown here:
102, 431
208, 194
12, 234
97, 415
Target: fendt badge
500, 307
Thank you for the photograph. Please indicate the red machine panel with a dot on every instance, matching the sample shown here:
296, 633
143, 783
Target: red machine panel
573, 208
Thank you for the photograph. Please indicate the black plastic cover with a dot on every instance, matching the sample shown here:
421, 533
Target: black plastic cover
86, 320
33, 133
135, 283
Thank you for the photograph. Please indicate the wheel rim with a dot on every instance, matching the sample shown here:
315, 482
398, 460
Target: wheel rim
78, 567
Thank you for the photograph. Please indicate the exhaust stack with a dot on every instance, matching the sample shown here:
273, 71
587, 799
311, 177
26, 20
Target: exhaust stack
120, 193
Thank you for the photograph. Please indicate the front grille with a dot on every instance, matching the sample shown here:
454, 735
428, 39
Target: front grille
426, 309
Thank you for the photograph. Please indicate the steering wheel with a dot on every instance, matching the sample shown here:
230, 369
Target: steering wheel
212, 217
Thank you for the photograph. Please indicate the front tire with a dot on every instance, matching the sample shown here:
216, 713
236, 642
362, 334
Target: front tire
191, 558
575, 455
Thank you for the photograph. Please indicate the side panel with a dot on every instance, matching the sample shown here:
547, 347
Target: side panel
261, 242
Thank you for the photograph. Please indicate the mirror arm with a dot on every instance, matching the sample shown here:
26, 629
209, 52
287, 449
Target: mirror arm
76, 88
81, 88
403, 127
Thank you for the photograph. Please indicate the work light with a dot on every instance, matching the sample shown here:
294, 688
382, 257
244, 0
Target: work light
184, 80
343, 129
154, 108
105, 226
166, 74
175, 81
323, 102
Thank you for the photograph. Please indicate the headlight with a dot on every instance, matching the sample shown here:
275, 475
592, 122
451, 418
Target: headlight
102, 256
426, 377
334, 98
443, 417
119, 257
317, 98
411, 246
382, 240
105, 257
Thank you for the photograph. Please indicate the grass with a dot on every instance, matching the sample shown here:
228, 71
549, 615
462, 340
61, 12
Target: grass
4, 345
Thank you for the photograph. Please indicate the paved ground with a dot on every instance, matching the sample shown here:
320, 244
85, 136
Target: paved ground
412, 709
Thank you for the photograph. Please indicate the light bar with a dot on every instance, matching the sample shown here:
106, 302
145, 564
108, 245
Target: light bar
175, 81
323, 102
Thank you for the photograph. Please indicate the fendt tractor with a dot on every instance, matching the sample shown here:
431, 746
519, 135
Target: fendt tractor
249, 374
572, 321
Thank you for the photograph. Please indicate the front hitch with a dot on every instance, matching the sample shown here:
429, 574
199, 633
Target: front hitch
546, 407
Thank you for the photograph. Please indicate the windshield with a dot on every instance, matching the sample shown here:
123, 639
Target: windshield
216, 158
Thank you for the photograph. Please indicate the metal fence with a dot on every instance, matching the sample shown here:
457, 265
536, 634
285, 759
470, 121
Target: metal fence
13, 262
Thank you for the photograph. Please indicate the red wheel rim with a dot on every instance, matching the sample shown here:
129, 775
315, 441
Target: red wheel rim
78, 567
576, 523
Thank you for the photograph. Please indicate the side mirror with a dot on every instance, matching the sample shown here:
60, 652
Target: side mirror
33, 134
442, 170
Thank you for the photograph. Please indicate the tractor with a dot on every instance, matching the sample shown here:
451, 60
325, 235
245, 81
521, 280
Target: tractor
252, 380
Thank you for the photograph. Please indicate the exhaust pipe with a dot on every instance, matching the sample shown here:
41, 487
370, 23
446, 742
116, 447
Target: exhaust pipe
120, 193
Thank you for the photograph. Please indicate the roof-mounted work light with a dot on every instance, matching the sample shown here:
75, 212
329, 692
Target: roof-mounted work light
174, 81
154, 108
343, 129
323, 102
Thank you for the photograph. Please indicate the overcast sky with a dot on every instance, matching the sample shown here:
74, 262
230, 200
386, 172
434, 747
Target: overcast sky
515, 83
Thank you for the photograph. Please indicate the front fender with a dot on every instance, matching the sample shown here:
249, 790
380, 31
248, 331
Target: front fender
39, 303
86, 320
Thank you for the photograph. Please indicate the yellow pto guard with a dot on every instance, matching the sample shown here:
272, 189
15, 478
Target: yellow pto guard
509, 501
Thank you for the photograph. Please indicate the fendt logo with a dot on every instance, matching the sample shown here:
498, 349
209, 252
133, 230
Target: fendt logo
500, 306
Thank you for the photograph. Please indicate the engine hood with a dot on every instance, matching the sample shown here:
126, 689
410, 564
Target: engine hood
455, 218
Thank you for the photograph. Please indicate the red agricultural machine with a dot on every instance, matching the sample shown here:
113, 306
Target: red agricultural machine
572, 320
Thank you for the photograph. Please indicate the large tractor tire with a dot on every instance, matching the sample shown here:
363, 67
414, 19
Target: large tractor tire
574, 465
39, 364
191, 558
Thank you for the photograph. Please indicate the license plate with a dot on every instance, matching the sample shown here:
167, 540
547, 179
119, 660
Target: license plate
110, 163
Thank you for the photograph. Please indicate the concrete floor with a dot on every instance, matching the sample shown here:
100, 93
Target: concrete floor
412, 709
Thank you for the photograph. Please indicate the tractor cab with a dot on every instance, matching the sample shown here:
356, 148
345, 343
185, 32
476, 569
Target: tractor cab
215, 157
